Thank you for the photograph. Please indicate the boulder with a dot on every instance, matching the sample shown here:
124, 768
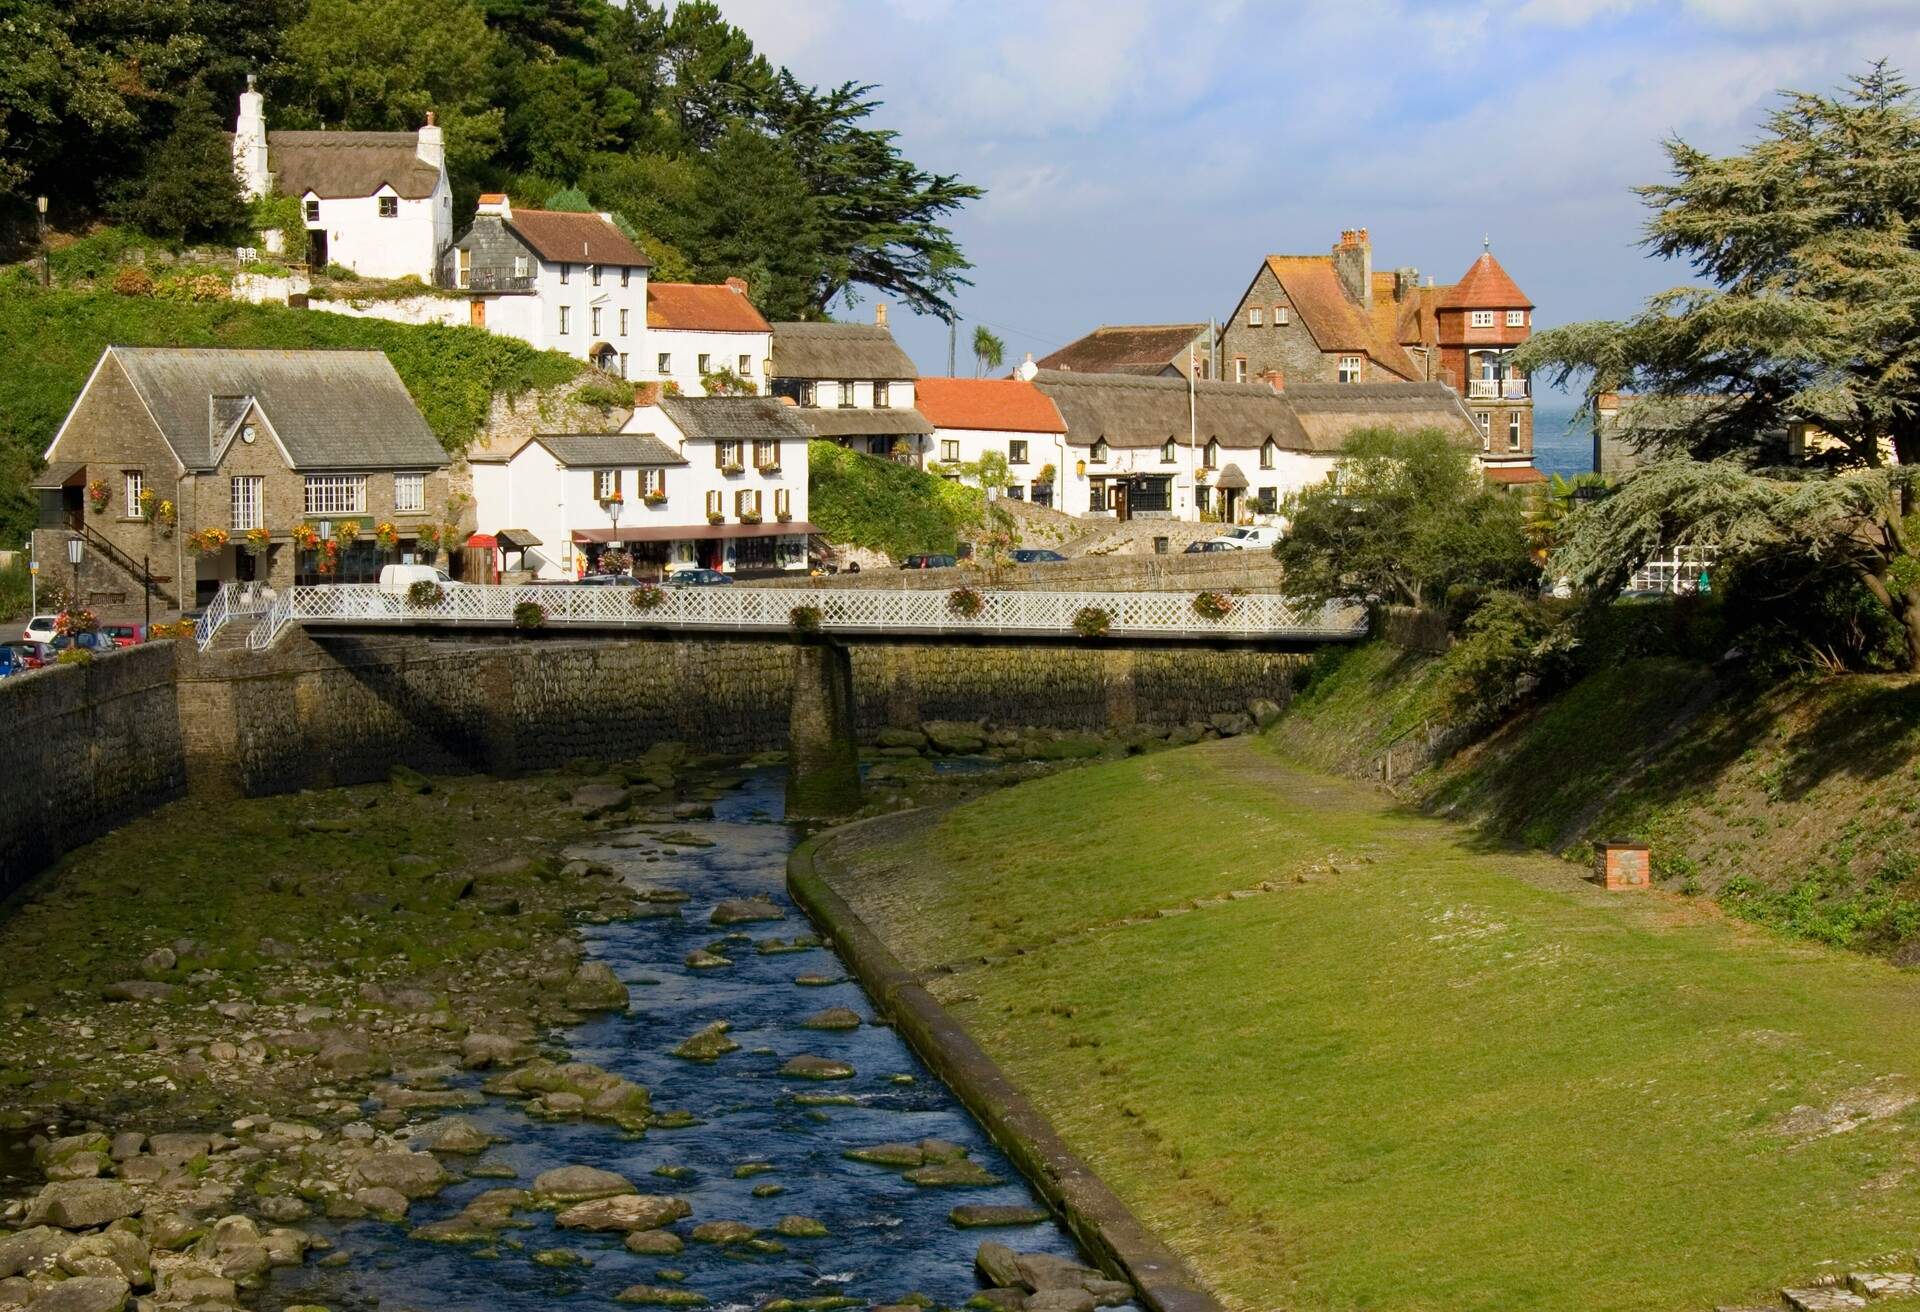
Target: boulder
960, 1174
416, 1175
594, 987
833, 1018
701, 959
628, 1212
1066, 1299
349, 1055
723, 1232
32, 1250
177, 1149
653, 1243
709, 1044
115, 1253
82, 1204
84, 1294
1264, 711
578, 1184
600, 799
1229, 724
898, 1155
800, 1227
479, 1051
740, 911
660, 1296
159, 961
981, 1216
954, 736
453, 1134
1045, 1271
138, 990
998, 1265
385, 1203
808, 1067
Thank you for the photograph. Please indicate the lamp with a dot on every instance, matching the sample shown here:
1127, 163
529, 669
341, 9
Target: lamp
75, 548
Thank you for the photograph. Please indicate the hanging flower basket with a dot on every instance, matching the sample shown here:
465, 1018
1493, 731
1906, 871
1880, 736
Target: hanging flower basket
426, 540
967, 603
806, 619
99, 495
425, 593
386, 535
1212, 605
329, 561
1092, 621
75, 621
346, 532
148, 500
306, 537
529, 615
165, 516
208, 541
649, 596
258, 541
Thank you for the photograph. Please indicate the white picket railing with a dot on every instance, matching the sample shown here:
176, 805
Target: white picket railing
740, 609
1674, 570
232, 601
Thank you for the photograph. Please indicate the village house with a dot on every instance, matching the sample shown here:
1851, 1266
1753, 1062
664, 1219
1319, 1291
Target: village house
718, 482
1142, 447
377, 203
852, 384
1331, 318
175, 456
557, 280
1169, 350
1008, 416
697, 331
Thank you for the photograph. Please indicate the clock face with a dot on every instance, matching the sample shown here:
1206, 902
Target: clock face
247, 434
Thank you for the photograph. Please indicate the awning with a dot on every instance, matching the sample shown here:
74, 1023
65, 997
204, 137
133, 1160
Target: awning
57, 476
692, 532
517, 539
1231, 477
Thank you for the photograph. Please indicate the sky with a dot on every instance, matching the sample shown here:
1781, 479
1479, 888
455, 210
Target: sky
1141, 156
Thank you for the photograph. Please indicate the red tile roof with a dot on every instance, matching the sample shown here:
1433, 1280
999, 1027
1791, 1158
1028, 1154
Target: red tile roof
562, 237
711, 307
994, 404
1513, 475
1486, 286
1336, 320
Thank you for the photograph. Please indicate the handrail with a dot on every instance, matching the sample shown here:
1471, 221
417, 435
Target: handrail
231, 601
140, 573
737, 609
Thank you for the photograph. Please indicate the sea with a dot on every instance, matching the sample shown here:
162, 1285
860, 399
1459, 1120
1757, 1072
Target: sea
1560, 444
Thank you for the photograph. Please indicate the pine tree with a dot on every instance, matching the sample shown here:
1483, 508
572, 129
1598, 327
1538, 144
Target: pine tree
188, 190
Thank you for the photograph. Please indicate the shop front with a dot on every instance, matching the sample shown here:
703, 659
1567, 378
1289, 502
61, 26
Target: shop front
653, 552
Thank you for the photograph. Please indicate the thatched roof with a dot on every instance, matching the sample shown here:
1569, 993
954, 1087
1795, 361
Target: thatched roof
734, 418
831, 421
1128, 348
1129, 410
345, 164
839, 350
1330, 413
329, 409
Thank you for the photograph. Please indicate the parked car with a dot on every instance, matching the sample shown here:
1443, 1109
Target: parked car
95, 642
12, 662
396, 579
929, 561
1250, 537
40, 628
125, 635
1036, 556
697, 578
1209, 544
30, 654
608, 581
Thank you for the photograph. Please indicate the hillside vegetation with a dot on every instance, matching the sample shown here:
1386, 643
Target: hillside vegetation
51, 340
1795, 802
884, 505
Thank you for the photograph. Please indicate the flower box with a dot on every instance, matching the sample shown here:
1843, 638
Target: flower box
771, 467
735, 468
750, 517
655, 498
715, 517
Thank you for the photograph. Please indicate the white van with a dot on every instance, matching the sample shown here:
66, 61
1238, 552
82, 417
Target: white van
396, 579
1251, 537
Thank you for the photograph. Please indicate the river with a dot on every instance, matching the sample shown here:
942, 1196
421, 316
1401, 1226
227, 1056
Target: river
886, 1238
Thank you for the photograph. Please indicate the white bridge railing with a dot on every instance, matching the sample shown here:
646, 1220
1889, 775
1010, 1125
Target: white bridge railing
736, 609
233, 601
1674, 570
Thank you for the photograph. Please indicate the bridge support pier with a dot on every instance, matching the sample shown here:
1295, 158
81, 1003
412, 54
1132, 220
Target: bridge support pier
823, 762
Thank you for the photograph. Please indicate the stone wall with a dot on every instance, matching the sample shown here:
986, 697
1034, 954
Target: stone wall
1256, 571
86, 747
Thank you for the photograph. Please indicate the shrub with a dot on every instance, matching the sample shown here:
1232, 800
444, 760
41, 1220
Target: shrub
966, 602
649, 596
883, 505
806, 619
422, 593
133, 281
1512, 644
1212, 605
1092, 621
74, 656
529, 615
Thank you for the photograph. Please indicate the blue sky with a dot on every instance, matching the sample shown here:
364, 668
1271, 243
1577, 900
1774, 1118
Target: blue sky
1141, 156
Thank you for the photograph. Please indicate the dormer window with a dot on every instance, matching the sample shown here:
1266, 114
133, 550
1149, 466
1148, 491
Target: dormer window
593, 275
312, 210
566, 273
882, 398
389, 207
1268, 451
1098, 455
626, 275
1213, 453
1168, 453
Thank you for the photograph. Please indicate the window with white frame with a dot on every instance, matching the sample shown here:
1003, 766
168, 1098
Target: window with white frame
746, 502
745, 367
846, 396
1349, 368
1279, 315
625, 316
663, 363
810, 394
606, 484
246, 502
1254, 316
1016, 451
463, 268
1268, 453
783, 502
1168, 452
653, 482
766, 455
593, 275
389, 207
949, 449
1098, 455
726, 453
336, 494
882, 395
133, 483
716, 504
593, 321
623, 364
522, 267
1213, 453
566, 320
1484, 419
1516, 318
626, 276
1239, 368
566, 273
1513, 430
409, 493
1482, 318
313, 211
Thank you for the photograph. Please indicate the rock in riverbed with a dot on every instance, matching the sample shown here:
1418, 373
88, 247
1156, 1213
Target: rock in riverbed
808, 1067
709, 1044
578, 1184
833, 1018
980, 1216
627, 1212
742, 911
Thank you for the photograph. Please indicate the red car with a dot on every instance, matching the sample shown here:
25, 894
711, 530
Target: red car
124, 635
31, 655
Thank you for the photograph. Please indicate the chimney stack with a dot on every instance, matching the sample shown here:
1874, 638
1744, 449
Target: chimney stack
1353, 263
250, 143
431, 145
1027, 369
1275, 379
880, 314
496, 204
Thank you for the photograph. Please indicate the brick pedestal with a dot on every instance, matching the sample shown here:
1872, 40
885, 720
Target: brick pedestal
1623, 866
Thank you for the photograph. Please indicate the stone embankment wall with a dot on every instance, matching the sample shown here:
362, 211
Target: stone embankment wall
90, 746
82, 749
1256, 571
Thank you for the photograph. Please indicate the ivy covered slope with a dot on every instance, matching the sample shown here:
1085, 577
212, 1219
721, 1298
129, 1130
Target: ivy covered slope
50, 341
865, 501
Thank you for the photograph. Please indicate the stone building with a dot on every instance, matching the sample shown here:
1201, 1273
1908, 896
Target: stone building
164, 444
853, 385
557, 280
378, 203
1158, 350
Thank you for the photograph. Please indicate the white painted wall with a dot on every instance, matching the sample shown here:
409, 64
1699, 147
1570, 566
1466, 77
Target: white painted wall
406, 245
409, 309
972, 443
684, 346
539, 325
1292, 471
689, 486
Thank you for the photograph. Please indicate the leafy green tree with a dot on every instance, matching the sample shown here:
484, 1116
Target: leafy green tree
725, 382
1551, 504
990, 472
1405, 518
188, 189
988, 350
1810, 314
759, 223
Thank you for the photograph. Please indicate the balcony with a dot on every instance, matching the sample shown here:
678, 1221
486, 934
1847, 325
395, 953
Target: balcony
496, 280
1496, 389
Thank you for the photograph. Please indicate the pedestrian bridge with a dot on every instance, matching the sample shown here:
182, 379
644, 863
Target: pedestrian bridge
1004, 615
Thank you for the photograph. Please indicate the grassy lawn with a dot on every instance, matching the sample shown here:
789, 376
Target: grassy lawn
1417, 1073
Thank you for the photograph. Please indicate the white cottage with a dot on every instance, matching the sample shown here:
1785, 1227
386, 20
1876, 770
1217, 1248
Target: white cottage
853, 385
558, 280
696, 330
1009, 416
378, 203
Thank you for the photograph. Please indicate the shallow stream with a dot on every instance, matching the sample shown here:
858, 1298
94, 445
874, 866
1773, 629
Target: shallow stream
887, 1237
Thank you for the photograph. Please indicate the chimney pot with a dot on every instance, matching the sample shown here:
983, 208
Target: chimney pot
738, 284
880, 314
1275, 379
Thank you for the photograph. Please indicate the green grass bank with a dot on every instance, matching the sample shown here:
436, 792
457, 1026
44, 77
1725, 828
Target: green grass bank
1344, 1056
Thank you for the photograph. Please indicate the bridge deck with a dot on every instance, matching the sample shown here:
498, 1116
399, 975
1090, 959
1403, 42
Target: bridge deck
1037, 616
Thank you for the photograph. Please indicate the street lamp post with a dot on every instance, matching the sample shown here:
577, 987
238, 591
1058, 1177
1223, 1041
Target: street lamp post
40, 233
75, 547
614, 507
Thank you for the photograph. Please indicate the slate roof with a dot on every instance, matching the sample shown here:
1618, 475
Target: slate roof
734, 418
707, 307
1329, 413
1131, 410
1007, 405
831, 421
839, 350
342, 164
565, 237
1486, 286
330, 409
606, 450
1126, 349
